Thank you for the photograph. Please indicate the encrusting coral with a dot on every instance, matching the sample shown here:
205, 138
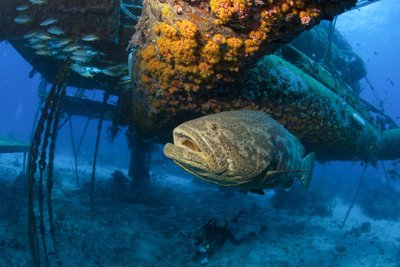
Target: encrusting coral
193, 45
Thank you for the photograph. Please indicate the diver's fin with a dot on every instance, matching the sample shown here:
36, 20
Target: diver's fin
308, 162
257, 191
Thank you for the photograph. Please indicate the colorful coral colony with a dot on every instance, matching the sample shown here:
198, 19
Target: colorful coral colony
186, 58
192, 54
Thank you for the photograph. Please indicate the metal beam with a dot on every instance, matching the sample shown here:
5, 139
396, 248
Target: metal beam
8, 145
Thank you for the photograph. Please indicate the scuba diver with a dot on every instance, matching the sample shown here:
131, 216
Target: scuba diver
211, 236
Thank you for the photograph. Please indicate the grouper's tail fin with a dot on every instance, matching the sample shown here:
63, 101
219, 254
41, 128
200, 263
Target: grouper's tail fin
308, 165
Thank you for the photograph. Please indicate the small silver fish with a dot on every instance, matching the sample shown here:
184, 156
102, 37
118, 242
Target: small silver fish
89, 38
61, 57
125, 80
43, 36
35, 40
30, 34
62, 43
80, 59
43, 52
86, 74
23, 19
22, 7
48, 22
83, 71
119, 67
76, 67
39, 46
80, 53
71, 48
92, 52
91, 69
38, 2
109, 73
55, 30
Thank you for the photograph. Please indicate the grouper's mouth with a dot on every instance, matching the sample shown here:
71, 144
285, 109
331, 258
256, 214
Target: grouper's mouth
187, 154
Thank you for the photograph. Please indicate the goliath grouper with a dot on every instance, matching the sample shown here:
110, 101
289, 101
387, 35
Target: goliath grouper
243, 149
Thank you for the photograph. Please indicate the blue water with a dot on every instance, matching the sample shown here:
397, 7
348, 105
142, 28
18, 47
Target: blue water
133, 234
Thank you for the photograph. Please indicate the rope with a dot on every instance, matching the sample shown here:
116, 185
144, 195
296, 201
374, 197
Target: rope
77, 149
33, 155
42, 166
46, 116
50, 170
377, 98
355, 197
93, 177
332, 25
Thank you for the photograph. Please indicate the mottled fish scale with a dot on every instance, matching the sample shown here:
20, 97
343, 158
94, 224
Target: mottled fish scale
245, 149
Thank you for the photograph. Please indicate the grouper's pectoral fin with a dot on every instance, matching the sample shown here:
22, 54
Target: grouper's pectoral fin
305, 173
308, 163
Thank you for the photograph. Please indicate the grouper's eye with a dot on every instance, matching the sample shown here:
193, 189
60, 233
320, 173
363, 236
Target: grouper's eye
191, 145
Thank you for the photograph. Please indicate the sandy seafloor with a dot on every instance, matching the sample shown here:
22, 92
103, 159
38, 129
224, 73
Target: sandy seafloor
144, 229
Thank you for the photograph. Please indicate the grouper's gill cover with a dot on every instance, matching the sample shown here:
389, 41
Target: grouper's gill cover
245, 149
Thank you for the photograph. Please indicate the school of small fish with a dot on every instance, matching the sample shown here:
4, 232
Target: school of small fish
49, 39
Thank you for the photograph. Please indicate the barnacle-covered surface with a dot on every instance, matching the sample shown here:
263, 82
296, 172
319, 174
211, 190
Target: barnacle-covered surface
192, 46
320, 118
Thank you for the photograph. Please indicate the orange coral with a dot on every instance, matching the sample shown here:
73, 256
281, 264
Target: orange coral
212, 51
187, 29
234, 45
183, 58
225, 10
